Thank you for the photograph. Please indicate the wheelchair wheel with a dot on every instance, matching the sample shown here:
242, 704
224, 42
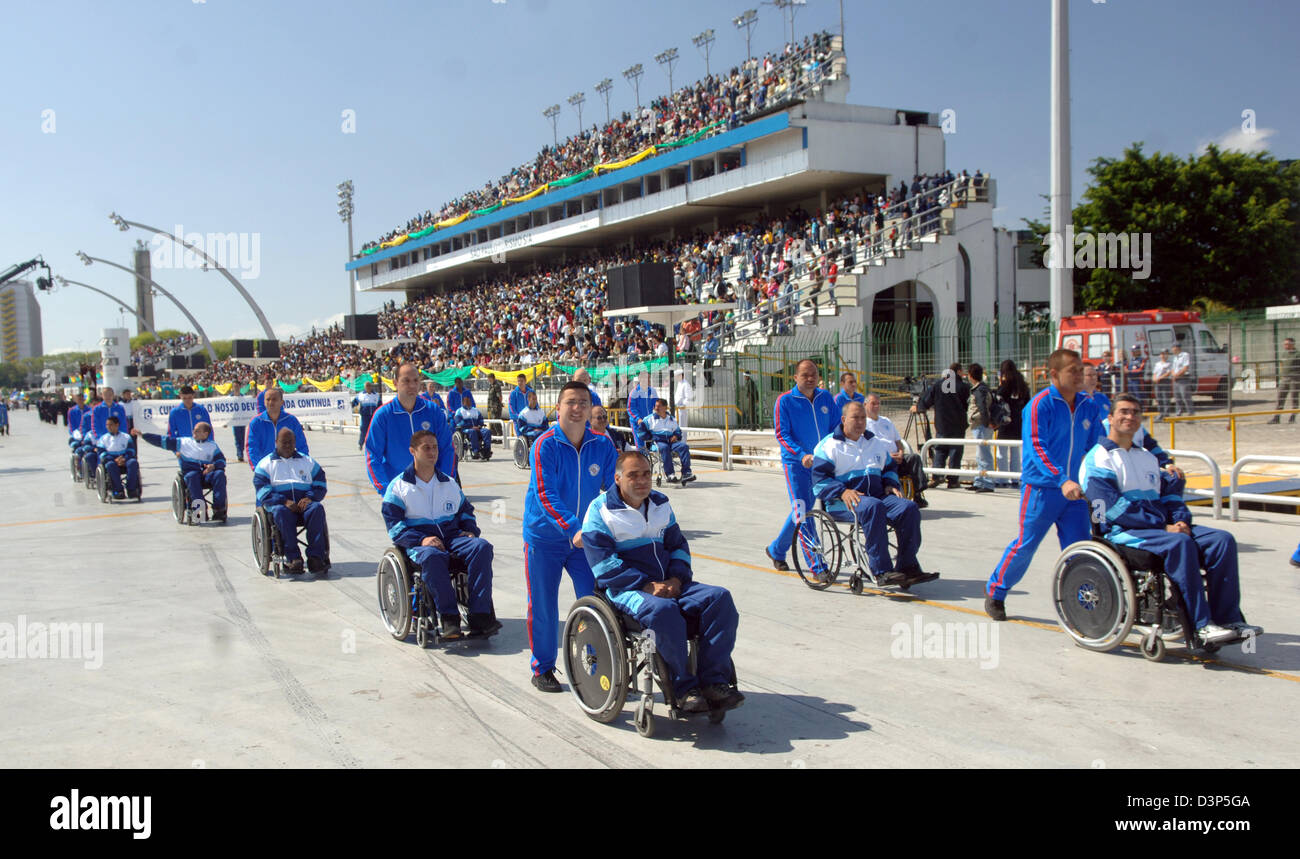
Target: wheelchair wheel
89, 474
595, 659
179, 505
75, 463
394, 583
458, 444
645, 719
1094, 595
1153, 647
101, 483
262, 549
822, 549
656, 466
521, 453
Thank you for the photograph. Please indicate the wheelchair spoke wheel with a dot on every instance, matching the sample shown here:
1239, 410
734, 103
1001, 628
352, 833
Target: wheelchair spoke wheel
1094, 596
101, 484
394, 585
458, 443
262, 541
178, 501
817, 554
521, 454
595, 659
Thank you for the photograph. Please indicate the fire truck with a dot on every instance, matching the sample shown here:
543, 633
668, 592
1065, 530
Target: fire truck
1151, 331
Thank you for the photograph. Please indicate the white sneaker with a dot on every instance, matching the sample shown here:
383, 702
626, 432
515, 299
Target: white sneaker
1213, 634
1246, 629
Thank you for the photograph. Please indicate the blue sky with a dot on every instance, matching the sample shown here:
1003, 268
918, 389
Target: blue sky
226, 115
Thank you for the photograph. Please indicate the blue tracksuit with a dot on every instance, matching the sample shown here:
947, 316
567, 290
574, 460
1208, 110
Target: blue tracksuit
842, 399
518, 401
458, 398
800, 425
194, 456
101, 413
388, 444
367, 403
530, 423
628, 549
435, 399
262, 432
86, 449
413, 511
1146, 441
640, 405
1054, 441
277, 481
1128, 491
74, 419
666, 435
181, 421
109, 447
469, 420
563, 483
867, 466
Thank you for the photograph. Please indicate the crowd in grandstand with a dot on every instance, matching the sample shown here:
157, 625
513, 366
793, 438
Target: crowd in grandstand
753, 86
154, 352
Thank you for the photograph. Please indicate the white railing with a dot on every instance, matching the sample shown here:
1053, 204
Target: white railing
1235, 496
969, 472
733, 457
1215, 491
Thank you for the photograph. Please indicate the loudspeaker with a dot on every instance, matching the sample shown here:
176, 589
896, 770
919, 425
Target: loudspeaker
148, 370
361, 327
268, 348
198, 361
640, 285
132, 372
176, 362
241, 349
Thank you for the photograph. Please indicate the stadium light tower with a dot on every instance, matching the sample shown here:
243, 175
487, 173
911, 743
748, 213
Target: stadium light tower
575, 101
746, 21
603, 88
668, 59
345, 212
633, 76
550, 113
1061, 292
790, 8
704, 41
63, 281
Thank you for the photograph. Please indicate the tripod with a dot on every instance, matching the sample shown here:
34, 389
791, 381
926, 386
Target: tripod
918, 425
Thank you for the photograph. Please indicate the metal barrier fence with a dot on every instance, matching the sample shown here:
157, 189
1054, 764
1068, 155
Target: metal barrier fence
969, 472
1215, 492
1235, 496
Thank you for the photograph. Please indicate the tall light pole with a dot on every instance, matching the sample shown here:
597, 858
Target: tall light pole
746, 21
790, 8
1061, 293
123, 224
704, 41
575, 101
198, 329
550, 113
668, 59
345, 212
603, 88
63, 281
633, 76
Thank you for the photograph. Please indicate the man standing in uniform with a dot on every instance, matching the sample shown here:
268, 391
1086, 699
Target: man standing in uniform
1060, 425
264, 430
388, 444
366, 405
1182, 378
571, 467
909, 464
1288, 382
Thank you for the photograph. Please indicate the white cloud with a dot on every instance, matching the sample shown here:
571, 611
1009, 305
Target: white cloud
1239, 140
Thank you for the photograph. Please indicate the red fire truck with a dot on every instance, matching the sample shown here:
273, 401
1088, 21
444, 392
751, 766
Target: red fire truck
1146, 333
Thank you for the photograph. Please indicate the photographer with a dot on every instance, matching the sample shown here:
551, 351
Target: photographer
949, 397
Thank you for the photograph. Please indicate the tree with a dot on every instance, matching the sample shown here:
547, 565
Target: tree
1223, 229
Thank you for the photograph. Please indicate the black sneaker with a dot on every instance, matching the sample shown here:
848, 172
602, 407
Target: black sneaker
921, 502
449, 627
687, 478
483, 625
917, 577
779, 563
295, 567
315, 565
996, 609
893, 577
693, 702
219, 515
546, 682
241, 457
722, 696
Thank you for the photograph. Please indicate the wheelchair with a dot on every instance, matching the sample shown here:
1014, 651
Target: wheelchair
105, 494
608, 654
460, 442
75, 462
268, 550
1103, 592
522, 452
181, 499
833, 547
405, 602
88, 475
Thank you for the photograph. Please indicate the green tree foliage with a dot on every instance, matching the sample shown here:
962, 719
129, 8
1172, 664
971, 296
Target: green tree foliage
1223, 228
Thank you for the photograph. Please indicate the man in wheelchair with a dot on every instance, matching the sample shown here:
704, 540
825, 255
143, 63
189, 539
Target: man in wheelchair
114, 451
1140, 505
531, 421
469, 420
291, 486
856, 476
661, 430
643, 564
202, 464
431, 520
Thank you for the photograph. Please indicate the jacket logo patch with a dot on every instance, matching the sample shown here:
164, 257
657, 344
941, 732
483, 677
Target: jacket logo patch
825, 410
593, 469
424, 425
1086, 423
446, 506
